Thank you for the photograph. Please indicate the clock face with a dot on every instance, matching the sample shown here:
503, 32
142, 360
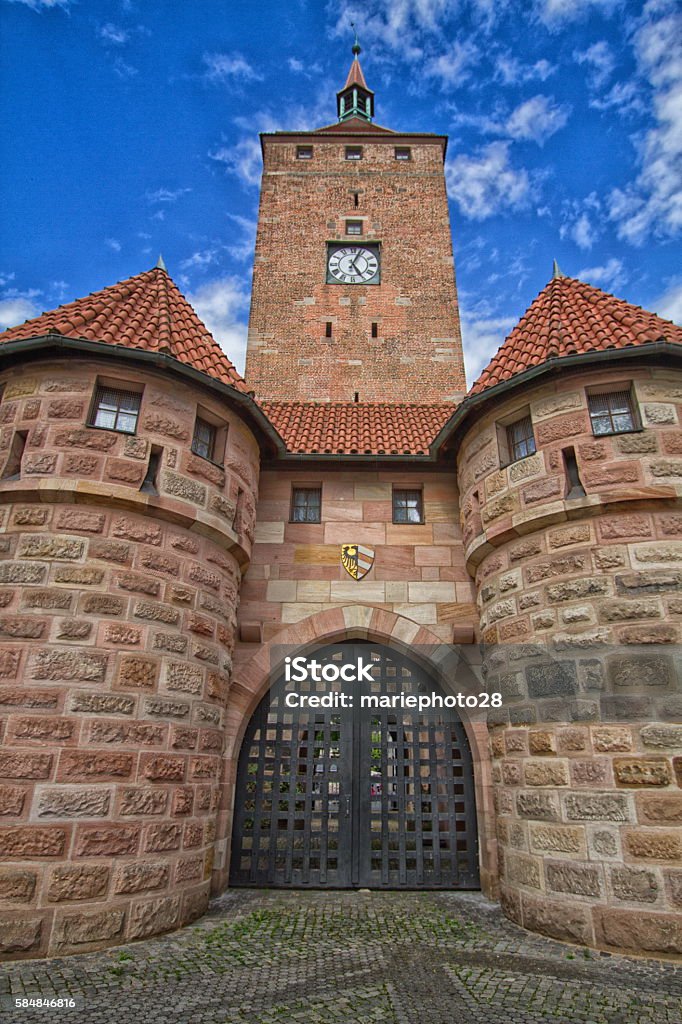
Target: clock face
353, 264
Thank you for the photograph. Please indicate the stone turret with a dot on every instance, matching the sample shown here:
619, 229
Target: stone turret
127, 498
569, 467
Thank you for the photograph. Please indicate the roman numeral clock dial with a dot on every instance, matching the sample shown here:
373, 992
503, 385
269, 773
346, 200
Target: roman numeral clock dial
353, 264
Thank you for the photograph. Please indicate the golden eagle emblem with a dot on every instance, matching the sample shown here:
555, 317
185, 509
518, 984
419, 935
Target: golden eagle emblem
357, 559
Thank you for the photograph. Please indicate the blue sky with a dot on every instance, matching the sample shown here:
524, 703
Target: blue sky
133, 130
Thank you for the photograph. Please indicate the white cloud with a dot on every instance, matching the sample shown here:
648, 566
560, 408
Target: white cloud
481, 338
166, 195
222, 305
511, 71
226, 67
113, 34
624, 97
537, 119
241, 248
243, 159
669, 306
554, 13
42, 5
610, 275
582, 220
599, 59
200, 259
113, 244
452, 66
14, 311
652, 203
485, 183
124, 70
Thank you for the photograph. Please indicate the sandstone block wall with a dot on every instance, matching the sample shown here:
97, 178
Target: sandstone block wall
589, 593
403, 205
117, 624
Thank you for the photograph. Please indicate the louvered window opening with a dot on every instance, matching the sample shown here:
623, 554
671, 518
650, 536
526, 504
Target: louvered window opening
306, 505
116, 410
520, 439
407, 506
611, 413
203, 441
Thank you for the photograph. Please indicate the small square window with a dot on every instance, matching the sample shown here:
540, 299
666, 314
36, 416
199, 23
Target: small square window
306, 505
612, 413
353, 227
353, 152
203, 441
408, 506
113, 409
520, 439
304, 152
403, 153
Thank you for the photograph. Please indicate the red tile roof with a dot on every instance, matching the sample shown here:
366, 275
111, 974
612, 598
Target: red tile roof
355, 76
570, 317
357, 428
146, 311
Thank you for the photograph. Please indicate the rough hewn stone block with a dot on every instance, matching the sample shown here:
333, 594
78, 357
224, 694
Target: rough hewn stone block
85, 882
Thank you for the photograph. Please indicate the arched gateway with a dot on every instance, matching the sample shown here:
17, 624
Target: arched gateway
341, 797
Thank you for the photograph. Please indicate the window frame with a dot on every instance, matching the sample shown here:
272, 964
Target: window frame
354, 223
512, 443
102, 386
297, 489
395, 506
200, 423
401, 150
353, 153
304, 152
220, 431
614, 391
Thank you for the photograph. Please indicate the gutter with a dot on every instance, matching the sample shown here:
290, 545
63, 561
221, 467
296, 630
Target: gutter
267, 435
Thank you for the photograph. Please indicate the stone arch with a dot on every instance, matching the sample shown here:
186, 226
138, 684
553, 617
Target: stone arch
351, 622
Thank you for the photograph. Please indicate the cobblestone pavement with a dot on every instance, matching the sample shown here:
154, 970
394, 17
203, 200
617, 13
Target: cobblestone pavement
349, 958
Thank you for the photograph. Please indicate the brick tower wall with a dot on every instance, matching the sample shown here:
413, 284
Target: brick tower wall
117, 620
417, 355
586, 764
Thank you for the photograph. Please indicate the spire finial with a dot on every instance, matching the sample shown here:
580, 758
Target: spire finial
556, 271
357, 50
160, 264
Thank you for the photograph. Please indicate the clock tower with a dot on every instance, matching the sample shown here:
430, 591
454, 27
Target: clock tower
354, 296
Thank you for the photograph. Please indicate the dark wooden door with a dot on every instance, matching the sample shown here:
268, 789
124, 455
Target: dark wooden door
344, 798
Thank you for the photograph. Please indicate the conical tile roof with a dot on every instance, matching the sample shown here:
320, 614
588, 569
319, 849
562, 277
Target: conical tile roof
146, 311
570, 317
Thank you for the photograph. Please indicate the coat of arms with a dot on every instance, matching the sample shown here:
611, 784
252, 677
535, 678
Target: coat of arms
357, 559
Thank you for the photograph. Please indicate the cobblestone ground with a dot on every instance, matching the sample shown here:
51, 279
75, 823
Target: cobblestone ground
349, 958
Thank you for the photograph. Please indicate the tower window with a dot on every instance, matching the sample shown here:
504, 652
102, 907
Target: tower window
113, 409
204, 439
328, 329
403, 153
353, 227
520, 439
353, 152
356, 199
375, 330
306, 505
408, 506
612, 412
304, 152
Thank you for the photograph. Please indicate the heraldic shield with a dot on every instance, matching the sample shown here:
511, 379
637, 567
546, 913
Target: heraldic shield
357, 559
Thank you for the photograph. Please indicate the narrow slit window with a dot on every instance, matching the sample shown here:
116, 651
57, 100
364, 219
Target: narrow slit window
306, 505
116, 410
375, 330
12, 468
149, 484
203, 441
356, 199
574, 486
520, 439
408, 506
612, 412
328, 329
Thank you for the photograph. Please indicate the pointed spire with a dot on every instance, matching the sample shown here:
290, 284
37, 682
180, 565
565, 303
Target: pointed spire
556, 271
355, 99
161, 264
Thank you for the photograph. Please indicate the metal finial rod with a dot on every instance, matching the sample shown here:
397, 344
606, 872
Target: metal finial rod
356, 45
